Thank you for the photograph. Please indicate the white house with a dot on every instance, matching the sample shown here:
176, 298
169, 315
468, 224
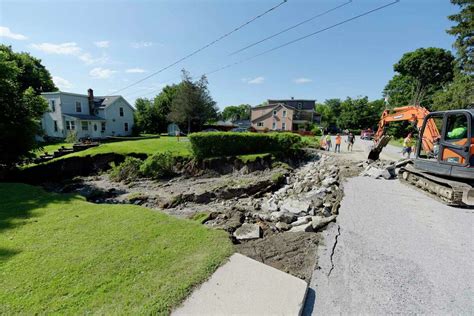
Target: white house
88, 115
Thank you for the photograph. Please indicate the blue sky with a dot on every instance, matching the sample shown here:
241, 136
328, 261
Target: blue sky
107, 45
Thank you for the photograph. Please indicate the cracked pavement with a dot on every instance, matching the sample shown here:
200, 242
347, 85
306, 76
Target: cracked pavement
399, 252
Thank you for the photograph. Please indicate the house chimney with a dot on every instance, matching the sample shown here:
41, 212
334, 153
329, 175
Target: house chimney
292, 98
90, 98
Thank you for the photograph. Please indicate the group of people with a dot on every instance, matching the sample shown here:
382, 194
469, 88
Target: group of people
326, 142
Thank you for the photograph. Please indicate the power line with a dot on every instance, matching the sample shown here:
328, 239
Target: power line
303, 37
290, 28
299, 39
205, 46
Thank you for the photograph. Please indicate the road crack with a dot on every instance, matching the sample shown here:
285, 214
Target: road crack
334, 250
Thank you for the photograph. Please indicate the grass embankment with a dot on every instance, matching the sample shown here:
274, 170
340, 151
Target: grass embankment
51, 148
62, 255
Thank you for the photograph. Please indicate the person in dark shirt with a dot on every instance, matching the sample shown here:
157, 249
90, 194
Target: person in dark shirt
350, 141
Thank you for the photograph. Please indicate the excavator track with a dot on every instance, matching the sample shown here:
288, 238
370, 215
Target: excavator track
451, 192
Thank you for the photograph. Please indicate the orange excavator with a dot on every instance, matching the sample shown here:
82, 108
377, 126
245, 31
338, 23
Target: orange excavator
444, 153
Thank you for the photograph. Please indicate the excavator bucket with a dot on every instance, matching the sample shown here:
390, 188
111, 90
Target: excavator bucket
377, 149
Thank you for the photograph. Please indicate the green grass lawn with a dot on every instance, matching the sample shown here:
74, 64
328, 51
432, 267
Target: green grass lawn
51, 148
62, 255
144, 146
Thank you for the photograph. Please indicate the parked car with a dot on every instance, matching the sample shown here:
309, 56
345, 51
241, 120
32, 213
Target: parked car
367, 134
210, 130
239, 129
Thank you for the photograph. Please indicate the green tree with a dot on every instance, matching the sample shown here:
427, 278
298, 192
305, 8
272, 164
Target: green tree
359, 113
238, 112
193, 105
22, 77
457, 95
464, 32
420, 74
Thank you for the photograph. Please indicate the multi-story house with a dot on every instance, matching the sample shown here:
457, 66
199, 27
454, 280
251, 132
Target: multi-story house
284, 115
88, 116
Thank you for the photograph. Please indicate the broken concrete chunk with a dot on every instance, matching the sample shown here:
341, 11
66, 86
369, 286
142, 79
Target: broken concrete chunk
328, 181
308, 227
301, 221
319, 222
247, 231
295, 206
282, 226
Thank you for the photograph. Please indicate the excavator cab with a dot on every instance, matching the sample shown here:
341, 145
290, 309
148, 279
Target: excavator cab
446, 144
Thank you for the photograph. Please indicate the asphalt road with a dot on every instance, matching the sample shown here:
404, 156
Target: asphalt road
362, 148
394, 250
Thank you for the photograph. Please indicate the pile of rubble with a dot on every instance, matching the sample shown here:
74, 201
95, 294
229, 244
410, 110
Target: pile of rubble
307, 202
382, 169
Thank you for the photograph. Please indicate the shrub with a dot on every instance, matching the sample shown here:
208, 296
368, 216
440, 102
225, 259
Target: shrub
316, 131
159, 165
71, 137
221, 144
127, 171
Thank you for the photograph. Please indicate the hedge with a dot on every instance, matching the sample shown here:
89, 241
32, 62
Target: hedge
221, 144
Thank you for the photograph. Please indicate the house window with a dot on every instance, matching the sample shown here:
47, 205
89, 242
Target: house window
95, 127
274, 125
53, 106
78, 107
300, 105
260, 124
70, 125
55, 126
85, 125
121, 111
125, 126
274, 112
283, 126
284, 113
102, 127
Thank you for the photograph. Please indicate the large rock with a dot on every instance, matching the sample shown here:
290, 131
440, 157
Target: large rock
308, 227
247, 231
269, 205
302, 220
282, 226
319, 222
295, 206
328, 181
285, 217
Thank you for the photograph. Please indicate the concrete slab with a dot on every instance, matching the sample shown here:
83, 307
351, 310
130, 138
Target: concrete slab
246, 287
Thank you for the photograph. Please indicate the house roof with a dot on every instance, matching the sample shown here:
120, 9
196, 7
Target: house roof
85, 117
288, 100
104, 101
270, 113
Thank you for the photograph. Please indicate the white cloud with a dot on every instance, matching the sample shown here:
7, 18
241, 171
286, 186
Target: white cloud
302, 80
6, 32
256, 80
102, 44
101, 73
62, 83
69, 48
135, 70
72, 49
142, 44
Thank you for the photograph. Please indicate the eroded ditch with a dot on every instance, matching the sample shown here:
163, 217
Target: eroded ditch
272, 215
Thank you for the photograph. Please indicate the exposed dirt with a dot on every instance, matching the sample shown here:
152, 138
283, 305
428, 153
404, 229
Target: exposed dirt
283, 204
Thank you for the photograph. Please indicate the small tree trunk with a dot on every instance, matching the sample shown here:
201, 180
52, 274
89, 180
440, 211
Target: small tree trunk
189, 125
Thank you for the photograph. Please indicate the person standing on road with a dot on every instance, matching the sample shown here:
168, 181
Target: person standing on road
328, 142
337, 148
350, 141
408, 144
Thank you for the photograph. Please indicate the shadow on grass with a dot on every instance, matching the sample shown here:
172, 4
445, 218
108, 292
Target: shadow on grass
18, 202
6, 254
